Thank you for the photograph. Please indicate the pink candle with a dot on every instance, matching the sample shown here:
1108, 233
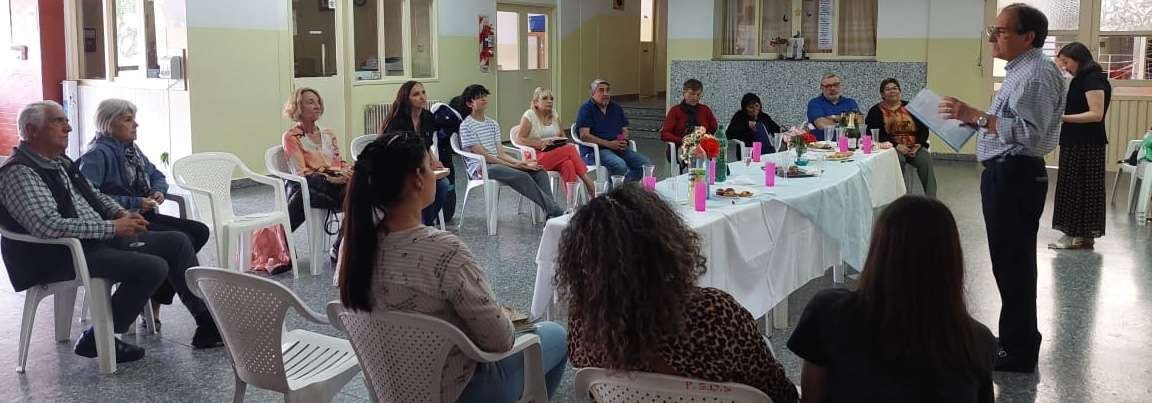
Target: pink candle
843, 143
701, 193
756, 148
770, 174
712, 172
866, 144
649, 183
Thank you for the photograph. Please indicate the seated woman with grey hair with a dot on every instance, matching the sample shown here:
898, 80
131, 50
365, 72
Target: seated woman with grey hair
117, 167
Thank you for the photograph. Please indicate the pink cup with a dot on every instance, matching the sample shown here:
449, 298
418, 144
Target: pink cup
711, 172
701, 193
770, 174
866, 144
756, 148
843, 143
649, 183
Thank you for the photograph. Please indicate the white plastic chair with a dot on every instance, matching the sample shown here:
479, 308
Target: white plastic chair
359, 143
208, 177
491, 187
1124, 168
314, 218
64, 300
403, 354
606, 386
528, 152
250, 312
595, 150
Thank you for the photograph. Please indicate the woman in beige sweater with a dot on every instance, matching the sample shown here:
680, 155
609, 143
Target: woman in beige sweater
392, 261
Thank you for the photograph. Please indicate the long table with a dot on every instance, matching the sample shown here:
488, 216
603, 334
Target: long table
763, 248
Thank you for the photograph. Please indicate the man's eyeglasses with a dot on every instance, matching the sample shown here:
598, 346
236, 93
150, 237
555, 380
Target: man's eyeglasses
830, 85
993, 31
60, 120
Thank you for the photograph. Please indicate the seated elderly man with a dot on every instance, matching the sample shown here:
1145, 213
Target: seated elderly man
827, 108
602, 122
42, 193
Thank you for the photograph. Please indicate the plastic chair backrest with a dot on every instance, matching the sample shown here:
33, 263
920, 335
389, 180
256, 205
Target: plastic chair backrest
526, 152
208, 177
402, 354
607, 386
249, 312
459, 150
1133, 145
360, 143
276, 160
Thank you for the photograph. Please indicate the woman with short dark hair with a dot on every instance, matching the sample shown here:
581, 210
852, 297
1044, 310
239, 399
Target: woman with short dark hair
1079, 203
628, 266
905, 334
901, 130
751, 124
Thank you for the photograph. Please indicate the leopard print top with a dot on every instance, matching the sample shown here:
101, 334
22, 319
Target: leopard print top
719, 343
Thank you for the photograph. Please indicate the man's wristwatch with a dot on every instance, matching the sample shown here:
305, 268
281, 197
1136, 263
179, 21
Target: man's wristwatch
982, 120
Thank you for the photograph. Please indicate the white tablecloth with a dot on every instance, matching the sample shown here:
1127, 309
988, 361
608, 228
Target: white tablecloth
763, 249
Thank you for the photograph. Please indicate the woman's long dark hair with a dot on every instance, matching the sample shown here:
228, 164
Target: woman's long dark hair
401, 106
377, 183
912, 290
1080, 53
627, 265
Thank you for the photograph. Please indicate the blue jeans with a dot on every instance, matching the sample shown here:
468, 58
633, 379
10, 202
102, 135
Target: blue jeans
627, 162
432, 212
503, 381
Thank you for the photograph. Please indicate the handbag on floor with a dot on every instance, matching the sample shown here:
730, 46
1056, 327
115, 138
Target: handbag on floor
270, 250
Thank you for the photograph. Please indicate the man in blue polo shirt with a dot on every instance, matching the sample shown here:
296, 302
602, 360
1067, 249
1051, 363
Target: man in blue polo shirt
825, 109
602, 122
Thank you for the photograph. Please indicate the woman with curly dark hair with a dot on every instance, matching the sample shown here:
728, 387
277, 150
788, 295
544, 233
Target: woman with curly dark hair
628, 266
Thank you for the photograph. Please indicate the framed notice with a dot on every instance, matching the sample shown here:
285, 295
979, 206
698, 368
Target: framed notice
824, 25
89, 40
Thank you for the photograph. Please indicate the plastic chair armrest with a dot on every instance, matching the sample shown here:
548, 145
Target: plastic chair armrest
79, 264
521, 343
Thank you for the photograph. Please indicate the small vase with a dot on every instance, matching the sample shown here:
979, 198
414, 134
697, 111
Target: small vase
800, 160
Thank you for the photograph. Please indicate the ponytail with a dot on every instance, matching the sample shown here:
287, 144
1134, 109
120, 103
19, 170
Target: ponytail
377, 183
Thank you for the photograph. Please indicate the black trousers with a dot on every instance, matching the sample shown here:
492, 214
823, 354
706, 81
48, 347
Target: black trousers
196, 231
1012, 192
139, 271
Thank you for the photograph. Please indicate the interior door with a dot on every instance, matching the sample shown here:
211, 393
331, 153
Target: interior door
523, 59
317, 52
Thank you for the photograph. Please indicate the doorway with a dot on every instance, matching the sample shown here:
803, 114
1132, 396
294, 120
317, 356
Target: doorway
524, 43
317, 52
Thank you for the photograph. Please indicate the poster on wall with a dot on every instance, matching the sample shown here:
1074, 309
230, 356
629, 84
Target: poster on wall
824, 25
89, 40
487, 43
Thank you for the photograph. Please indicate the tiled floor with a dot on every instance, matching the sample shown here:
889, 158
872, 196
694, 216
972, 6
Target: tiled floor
1094, 308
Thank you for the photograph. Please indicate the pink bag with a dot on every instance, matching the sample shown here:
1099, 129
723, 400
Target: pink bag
270, 250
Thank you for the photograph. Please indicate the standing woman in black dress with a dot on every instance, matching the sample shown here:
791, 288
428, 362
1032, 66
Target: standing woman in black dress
1079, 211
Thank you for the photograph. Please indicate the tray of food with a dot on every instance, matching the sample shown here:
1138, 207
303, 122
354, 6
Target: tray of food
822, 146
797, 172
734, 193
839, 156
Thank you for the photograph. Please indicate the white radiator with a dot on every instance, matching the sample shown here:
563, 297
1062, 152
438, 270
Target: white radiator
374, 116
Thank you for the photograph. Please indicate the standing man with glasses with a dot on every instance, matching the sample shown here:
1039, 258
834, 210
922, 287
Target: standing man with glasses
828, 108
1021, 126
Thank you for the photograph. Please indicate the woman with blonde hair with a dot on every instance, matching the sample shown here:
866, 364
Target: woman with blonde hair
540, 129
313, 153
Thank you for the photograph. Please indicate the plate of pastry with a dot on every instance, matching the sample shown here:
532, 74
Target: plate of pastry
839, 156
734, 193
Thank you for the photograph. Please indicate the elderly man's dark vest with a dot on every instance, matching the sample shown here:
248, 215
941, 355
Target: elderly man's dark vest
31, 264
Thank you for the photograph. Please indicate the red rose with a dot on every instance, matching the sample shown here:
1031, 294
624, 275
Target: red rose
710, 146
809, 137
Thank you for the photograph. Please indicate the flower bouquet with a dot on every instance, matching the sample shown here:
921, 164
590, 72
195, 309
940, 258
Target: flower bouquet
699, 145
798, 139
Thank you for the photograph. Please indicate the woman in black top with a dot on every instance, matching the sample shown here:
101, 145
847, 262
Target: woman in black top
899, 129
747, 122
410, 114
905, 335
1079, 201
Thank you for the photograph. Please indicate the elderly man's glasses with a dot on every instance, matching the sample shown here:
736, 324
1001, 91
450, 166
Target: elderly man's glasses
830, 85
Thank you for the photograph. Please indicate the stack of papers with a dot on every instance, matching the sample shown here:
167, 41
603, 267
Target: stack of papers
954, 132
